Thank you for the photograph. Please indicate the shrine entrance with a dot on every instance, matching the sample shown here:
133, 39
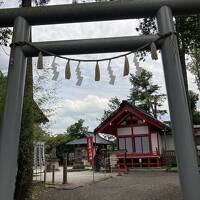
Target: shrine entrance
23, 18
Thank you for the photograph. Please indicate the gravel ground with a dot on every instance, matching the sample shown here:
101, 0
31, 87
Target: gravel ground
74, 178
134, 186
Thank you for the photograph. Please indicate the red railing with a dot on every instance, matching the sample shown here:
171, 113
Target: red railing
136, 155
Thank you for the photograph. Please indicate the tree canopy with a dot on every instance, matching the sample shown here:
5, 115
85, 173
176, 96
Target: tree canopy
77, 129
59, 141
187, 28
194, 65
194, 98
145, 94
113, 104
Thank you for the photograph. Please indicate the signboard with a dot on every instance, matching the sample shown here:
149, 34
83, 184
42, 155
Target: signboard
90, 148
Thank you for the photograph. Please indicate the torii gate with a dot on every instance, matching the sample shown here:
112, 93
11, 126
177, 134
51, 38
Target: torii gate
23, 18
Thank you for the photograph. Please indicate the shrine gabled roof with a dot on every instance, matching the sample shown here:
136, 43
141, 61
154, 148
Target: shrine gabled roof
99, 140
126, 107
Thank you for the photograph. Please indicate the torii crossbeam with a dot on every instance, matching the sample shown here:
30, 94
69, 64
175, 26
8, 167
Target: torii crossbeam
23, 18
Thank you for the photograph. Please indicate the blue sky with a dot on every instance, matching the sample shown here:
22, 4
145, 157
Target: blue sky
90, 99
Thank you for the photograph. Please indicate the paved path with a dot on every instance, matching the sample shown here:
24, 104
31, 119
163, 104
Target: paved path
135, 186
75, 179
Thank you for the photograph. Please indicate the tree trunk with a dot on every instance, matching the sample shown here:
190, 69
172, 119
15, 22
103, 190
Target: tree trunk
184, 69
182, 53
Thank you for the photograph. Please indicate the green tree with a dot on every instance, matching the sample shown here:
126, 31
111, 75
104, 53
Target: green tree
59, 142
39, 134
77, 129
145, 94
113, 105
194, 65
194, 98
187, 28
5, 33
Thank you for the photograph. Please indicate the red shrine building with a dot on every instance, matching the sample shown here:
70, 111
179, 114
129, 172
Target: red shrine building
140, 138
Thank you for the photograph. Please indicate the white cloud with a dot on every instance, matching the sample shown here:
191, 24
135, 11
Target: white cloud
70, 111
90, 102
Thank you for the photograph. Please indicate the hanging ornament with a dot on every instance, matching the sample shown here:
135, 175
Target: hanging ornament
137, 64
126, 67
54, 68
78, 70
78, 74
79, 82
40, 61
112, 80
110, 72
54, 64
67, 70
97, 72
154, 54
55, 76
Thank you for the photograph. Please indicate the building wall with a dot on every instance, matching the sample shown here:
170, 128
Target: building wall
124, 131
140, 130
138, 139
154, 142
169, 142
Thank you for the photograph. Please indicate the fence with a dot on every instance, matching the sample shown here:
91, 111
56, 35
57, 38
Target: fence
169, 158
84, 174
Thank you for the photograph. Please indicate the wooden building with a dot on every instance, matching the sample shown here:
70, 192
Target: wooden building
79, 154
140, 138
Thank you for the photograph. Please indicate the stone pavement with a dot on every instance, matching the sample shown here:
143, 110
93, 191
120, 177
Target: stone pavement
134, 186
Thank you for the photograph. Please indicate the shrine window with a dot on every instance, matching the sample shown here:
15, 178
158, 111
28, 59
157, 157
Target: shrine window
125, 143
142, 144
